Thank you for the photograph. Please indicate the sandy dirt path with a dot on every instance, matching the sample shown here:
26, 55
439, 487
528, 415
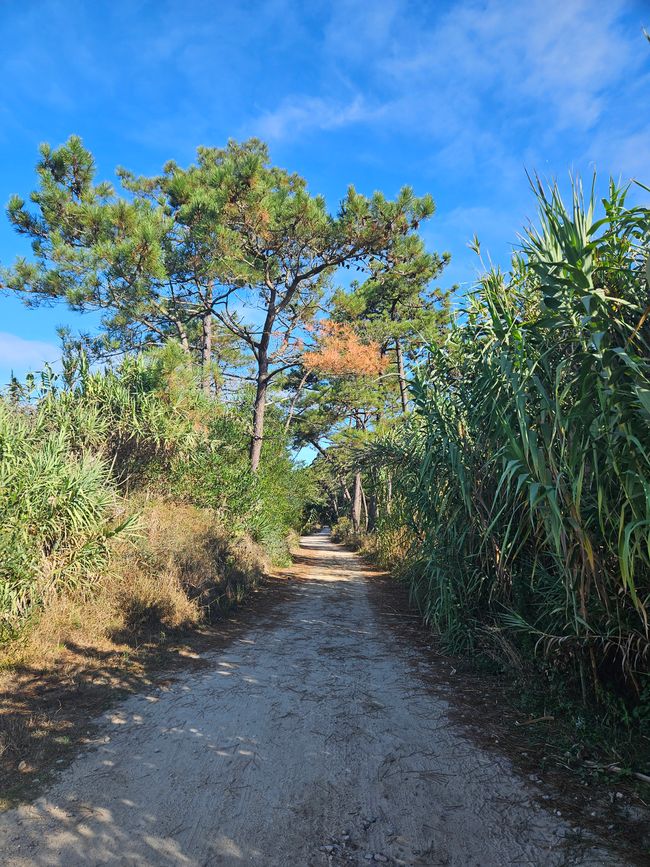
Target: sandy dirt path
310, 740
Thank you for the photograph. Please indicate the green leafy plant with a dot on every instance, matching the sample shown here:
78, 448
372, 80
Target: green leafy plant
524, 472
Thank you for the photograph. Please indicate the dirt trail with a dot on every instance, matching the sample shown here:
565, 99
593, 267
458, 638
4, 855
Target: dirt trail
310, 740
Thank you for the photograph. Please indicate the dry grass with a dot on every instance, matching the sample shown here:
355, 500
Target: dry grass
391, 548
179, 570
178, 574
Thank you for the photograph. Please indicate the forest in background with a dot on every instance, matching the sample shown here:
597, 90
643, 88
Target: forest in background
494, 457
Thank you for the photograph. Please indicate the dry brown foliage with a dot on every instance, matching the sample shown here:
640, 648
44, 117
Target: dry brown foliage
181, 571
340, 352
181, 568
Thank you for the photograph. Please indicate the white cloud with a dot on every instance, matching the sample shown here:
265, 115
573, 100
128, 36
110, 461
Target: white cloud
548, 51
20, 355
548, 55
302, 113
492, 83
485, 90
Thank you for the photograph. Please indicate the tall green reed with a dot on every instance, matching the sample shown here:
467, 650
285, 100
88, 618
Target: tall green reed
529, 450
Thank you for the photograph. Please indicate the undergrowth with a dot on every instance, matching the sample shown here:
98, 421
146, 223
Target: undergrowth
181, 569
81, 457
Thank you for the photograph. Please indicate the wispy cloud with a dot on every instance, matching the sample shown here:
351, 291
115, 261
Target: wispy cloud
495, 82
488, 89
546, 56
457, 98
20, 355
300, 114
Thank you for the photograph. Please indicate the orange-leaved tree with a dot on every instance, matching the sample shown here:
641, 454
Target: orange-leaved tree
339, 351
342, 372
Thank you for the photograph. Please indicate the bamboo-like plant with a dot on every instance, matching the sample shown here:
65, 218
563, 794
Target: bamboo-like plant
72, 445
531, 497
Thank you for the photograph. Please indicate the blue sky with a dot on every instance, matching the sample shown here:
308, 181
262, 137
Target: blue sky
457, 99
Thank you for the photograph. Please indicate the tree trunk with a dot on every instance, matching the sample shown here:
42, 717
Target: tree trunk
294, 401
400, 377
356, 504
366, 514
323, 452
259, 409
182, 336
372, 512
206, 351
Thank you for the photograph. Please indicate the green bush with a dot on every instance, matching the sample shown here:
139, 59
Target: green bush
71, 447
58, 508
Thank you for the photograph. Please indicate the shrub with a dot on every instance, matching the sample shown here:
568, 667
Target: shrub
72, 448
58, 509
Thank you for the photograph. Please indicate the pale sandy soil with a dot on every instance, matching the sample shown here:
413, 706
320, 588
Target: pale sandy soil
310, 740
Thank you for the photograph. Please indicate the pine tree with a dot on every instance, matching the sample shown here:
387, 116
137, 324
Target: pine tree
396, 305
191, 245
282, 247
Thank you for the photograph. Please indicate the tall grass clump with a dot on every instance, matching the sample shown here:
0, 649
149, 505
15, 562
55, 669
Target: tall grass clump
58, 509
524, 471
83, 452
